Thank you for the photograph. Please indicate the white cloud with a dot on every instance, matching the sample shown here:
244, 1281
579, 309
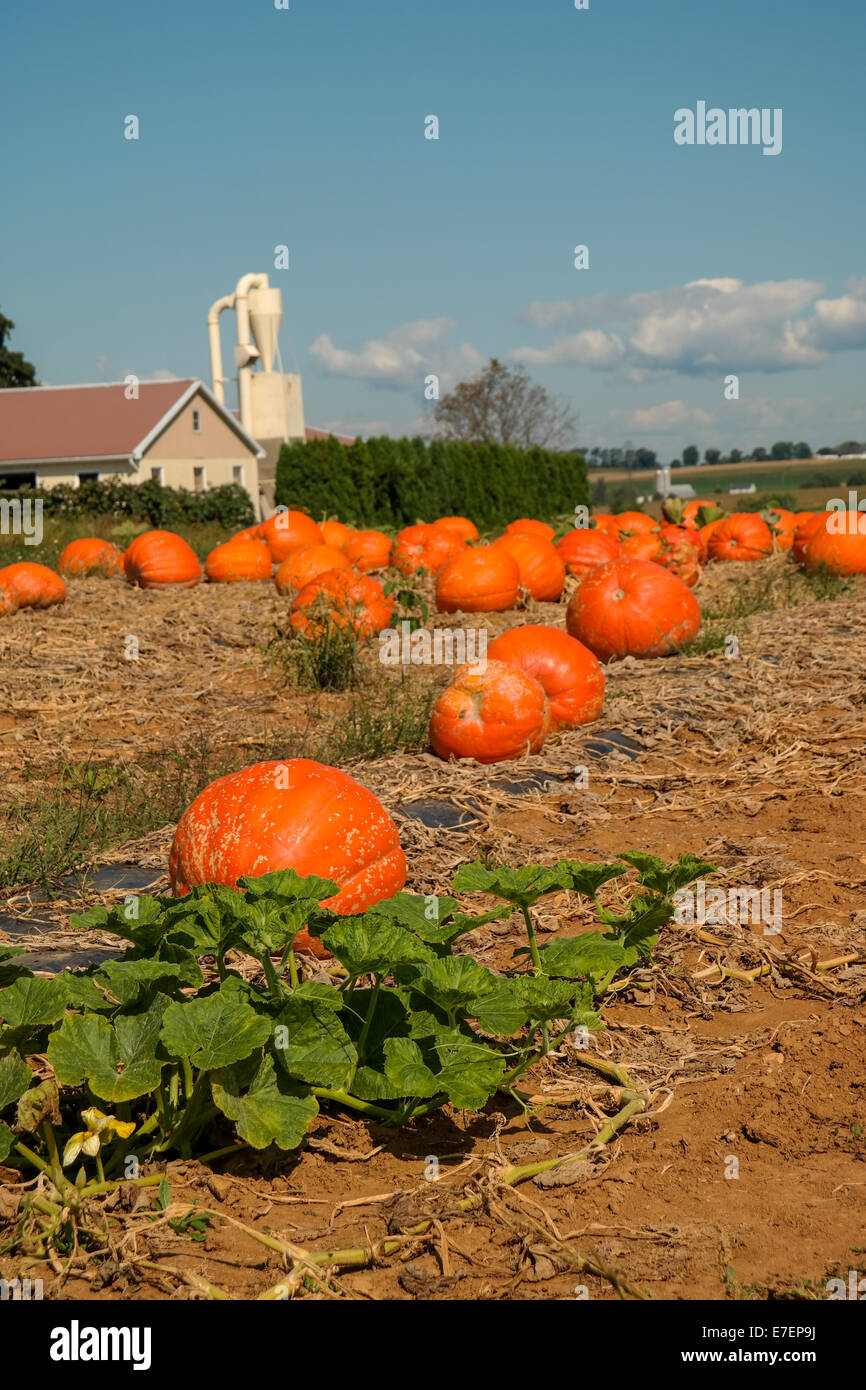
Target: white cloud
403, 357
589, 348
662, 418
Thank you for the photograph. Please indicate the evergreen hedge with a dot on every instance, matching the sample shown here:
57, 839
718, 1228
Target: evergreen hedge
384, 482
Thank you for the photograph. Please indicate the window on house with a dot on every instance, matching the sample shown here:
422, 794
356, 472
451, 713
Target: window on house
200, 479
157, 475
238, 473
196, 422
88, 478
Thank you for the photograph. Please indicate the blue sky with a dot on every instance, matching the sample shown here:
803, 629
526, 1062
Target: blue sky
305, 127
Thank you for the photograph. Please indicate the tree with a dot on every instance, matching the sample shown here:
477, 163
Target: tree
676, 463
501, 406
690, 455
782, 449
802, 450
14, 369
735, 456
759, 455
644, 458
850, 446
712, 456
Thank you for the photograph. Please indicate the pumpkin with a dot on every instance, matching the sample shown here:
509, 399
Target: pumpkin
304, 565
838, 545
632, 608
586, 548
299, 815
635, 523
160, 560
706, 531
541, 567
691, 509
287, 531
804, 533
603, 521
368, 550
782, 524
249, 533
334, 533
490, 715
525, 526
350, 600
568, 673
92, 555
8, 601
682, 551
458, 526
484, 579
744, 536
32, 586
235, 561
640, 545
425, 547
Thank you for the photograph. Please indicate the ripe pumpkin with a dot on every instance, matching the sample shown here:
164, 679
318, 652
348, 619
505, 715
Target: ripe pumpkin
235, 561
804, 533
299, 815
783, 524
541, 567
350, 600
8, 601
603, 521
706, 531
160, 560
336, 534
682, 552
287, 531
838, 545
458, 526
490, 715
368, 550
425, 547
640, 545
744, 536
568, 672
249, 533
635, 523
32, 586
484, 579
691, 509
306, 564
632, 608
526, 526
586, 548
91, 555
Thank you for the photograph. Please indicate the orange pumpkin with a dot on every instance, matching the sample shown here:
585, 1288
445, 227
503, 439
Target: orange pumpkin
249, 533
334, 533
350, 600
484, 579
603, 521
682, 551
368, 550
91, 555
635, 523
745, 536
632, 608
299, 815
569, 674
586, 548
238, 560
425, 547
490, 715
706, 531
691, 509
838, 545
287, 531
640, 545
8, 601
541, 567
804, 532
161, 560
31, 585
526, 526
782, 525
305, 565
458, 526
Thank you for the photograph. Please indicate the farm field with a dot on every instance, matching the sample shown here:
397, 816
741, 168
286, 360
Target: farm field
739, 1176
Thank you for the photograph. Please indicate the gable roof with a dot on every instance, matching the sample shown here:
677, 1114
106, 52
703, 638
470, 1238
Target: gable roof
40, 424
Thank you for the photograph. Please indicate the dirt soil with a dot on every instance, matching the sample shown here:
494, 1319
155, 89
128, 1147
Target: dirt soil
745, 1174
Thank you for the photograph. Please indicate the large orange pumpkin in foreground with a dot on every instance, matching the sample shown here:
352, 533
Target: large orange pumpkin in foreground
299, 815
484, 579
238, 560
368, 550
838, 545
632, 608
31, 585
567, 671
425, 547
351, 601
527, 526
161, 560
744, 536
306, 564
458, 526
541, 567
490, 715
584, 549
91, 555
286, 531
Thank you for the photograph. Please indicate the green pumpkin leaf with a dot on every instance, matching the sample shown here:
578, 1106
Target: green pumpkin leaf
454, 982
373, 945
310, 1043
271, 927
407, 1070
526, 885
138, 921
129, 981
287, 884
267, 1107
576, 957
7, 1142
470, 1071
667, 879
40, 1103
118, 1061
10, 968
437, 920
208, 920
30, 1003
213, 1032
15, 1077
83, 995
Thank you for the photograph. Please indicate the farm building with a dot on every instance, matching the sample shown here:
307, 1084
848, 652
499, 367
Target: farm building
175, 432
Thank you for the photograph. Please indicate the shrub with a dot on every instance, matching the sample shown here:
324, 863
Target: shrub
150, 502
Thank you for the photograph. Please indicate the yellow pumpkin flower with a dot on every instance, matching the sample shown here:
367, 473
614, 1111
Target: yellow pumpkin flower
101, 1129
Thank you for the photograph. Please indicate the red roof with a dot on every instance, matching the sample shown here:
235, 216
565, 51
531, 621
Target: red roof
82, 422
324, 434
